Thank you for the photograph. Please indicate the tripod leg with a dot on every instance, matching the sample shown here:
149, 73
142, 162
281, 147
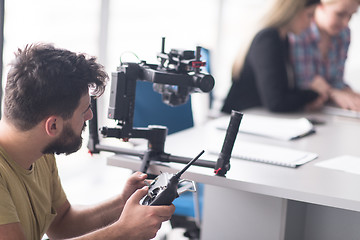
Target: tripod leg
145, 162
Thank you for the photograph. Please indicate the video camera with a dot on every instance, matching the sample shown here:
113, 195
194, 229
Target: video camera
182, 62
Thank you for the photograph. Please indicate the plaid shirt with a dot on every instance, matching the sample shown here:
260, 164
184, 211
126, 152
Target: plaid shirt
307, 60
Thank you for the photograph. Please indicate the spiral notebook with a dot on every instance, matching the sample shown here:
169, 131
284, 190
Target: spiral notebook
264, 153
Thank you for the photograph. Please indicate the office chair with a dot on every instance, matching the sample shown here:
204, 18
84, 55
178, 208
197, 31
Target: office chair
205, 56
150, 110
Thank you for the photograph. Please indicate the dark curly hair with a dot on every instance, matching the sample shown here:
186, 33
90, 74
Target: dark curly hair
44, 81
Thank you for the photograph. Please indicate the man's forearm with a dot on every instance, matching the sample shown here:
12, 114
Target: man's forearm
79, 220
109, 233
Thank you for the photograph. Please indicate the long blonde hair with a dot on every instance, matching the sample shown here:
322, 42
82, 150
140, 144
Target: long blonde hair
280, 13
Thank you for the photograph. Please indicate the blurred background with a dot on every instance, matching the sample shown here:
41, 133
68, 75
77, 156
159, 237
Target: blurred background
108, 28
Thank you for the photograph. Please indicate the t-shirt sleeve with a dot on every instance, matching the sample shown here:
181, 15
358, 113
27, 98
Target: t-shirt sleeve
8, 212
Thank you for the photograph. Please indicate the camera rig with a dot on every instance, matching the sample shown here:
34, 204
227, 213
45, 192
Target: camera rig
178, 75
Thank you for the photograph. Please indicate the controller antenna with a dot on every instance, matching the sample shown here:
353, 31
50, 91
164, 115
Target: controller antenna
178, 174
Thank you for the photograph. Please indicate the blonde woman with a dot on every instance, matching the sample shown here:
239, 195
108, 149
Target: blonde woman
320, 52
262, 74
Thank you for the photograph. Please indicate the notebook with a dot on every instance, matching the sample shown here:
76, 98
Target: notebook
264, 153
272, 127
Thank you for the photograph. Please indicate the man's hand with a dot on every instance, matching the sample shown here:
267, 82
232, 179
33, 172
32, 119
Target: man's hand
142, 222
119, 218
320, 85
134, 182
346, 99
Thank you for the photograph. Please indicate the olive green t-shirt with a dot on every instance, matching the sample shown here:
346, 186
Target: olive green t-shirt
30, 196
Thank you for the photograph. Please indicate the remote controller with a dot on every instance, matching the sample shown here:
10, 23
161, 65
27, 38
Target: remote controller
165, 188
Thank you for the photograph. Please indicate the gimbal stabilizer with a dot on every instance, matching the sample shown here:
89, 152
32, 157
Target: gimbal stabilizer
178, 75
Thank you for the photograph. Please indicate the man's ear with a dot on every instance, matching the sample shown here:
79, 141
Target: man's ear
53, 125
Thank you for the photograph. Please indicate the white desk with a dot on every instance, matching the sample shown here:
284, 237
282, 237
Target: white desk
265, 202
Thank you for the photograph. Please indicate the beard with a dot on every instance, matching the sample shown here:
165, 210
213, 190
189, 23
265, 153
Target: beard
68, 142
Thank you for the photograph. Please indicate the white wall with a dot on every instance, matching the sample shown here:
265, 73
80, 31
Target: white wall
138, 25
352, 68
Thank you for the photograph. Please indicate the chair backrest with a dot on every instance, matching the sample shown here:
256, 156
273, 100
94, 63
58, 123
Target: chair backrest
205, 56
150, 110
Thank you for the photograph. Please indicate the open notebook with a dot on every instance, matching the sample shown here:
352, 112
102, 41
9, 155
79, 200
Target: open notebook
272, 127
264, 153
